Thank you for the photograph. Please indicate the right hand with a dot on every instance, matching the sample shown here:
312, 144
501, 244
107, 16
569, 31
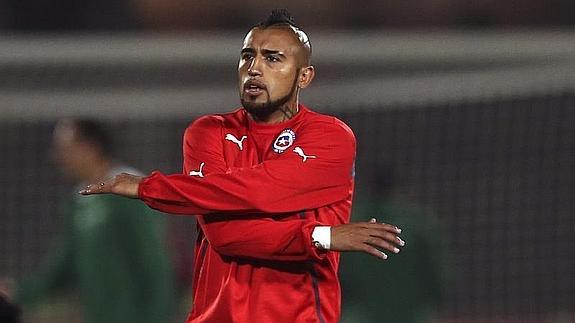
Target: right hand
368, 237
123, 184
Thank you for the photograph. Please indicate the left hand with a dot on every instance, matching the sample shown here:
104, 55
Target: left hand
123, 184
368, 237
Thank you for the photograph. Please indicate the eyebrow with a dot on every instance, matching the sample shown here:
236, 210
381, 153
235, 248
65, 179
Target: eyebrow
264, 51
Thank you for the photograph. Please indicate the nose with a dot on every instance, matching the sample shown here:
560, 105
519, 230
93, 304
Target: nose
254, 67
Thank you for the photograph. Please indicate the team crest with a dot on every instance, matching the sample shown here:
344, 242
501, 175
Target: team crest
284, 140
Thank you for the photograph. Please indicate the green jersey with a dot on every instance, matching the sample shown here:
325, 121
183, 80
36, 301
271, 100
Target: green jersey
112, 252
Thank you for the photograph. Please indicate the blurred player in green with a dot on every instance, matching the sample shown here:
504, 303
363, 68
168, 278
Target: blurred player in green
411, 286
112, 250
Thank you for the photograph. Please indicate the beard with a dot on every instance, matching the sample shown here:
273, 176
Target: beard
262, 111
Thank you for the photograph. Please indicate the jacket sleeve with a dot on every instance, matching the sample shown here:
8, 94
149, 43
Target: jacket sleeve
262, 238
288, 183
256, 237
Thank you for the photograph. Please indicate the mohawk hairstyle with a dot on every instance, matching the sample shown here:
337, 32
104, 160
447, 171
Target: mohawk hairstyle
278, 17
283, 17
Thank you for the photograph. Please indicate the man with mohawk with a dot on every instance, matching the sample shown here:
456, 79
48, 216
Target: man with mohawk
271, 185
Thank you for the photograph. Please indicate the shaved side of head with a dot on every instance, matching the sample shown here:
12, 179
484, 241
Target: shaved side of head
281, 18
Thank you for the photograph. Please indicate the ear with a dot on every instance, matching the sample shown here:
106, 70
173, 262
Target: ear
306, 75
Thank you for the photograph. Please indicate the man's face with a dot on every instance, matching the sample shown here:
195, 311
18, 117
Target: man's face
70, 153
269, 67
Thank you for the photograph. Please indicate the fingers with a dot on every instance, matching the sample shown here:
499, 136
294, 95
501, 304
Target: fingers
374, 252
383, 226
105, 186
373, 224
370, 237
382, 244
102, 187
384, 236
91, 189
383, 231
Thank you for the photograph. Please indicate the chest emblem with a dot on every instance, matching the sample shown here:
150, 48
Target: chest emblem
239, 142
284, 141
300, 152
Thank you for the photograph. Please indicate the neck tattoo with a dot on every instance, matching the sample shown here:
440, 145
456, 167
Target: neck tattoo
288, 113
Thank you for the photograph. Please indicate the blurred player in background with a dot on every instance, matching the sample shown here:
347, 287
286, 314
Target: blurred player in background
412, 286
112, 249
271, 185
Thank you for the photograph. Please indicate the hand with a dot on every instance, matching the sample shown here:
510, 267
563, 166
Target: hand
124, 185
368, 237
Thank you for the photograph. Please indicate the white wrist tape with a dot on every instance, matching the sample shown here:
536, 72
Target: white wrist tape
321, 236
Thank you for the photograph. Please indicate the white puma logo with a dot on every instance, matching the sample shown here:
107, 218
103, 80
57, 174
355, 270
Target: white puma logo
300, 152
235, 140
198, 172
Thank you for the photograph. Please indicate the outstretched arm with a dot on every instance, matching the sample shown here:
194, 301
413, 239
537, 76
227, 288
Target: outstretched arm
288, 183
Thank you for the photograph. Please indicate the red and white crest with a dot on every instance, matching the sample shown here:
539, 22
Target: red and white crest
284, 141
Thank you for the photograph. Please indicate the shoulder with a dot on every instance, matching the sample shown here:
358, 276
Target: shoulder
213, 122
210, 121
328, 124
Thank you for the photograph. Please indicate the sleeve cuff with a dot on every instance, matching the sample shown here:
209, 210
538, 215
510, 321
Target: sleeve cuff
142, 187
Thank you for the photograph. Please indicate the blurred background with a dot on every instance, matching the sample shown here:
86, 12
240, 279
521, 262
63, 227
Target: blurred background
463, 111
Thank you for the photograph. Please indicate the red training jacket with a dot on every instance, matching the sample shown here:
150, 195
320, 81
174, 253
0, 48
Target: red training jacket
258, 192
